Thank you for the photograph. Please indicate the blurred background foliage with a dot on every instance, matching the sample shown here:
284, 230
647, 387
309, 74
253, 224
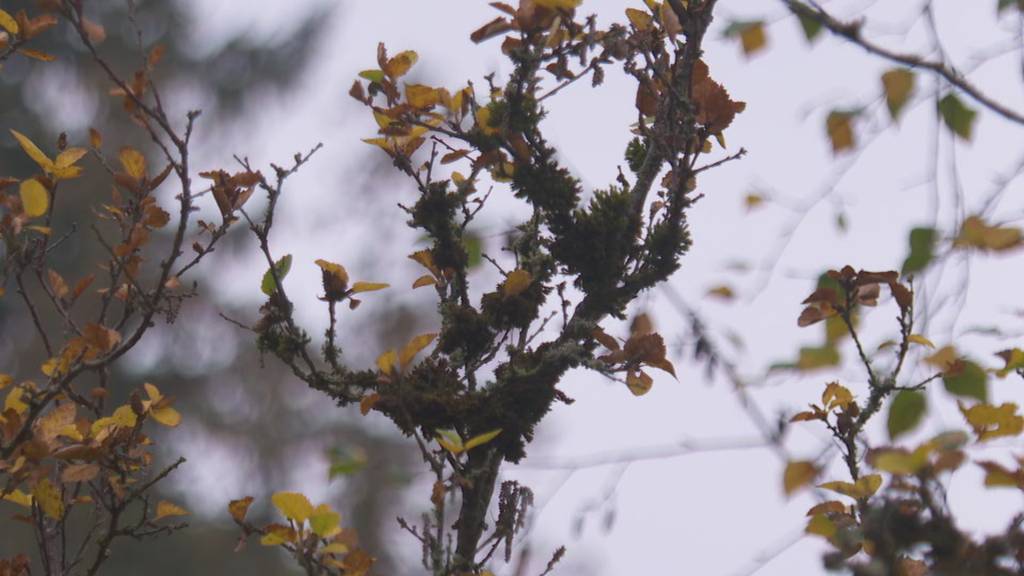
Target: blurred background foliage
249, 427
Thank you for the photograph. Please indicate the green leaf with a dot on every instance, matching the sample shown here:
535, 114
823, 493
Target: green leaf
813, 358
898, 84
922, 250
481, 439
811, 26
474, 249
965, 378
905, 412
345, 463
957, 115
282, 266
372, 75
325, 522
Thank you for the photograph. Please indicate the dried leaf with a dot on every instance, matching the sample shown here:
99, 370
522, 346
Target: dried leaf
165, 509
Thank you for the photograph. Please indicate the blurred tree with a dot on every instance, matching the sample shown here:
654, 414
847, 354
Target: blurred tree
223, 75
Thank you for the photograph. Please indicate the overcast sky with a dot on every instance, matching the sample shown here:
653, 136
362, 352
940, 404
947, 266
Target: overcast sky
716, 513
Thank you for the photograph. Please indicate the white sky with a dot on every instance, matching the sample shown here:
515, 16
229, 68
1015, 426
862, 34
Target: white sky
714, 513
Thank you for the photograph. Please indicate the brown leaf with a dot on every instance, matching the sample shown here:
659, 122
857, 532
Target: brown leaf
57, 284
495, 27
239, 508
715, 108
79, 473
606, 340
810, 315
797, 475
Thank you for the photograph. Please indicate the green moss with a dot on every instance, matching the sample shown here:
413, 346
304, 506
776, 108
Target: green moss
547, 186
464, 332
595, 247
636, 153
435, 212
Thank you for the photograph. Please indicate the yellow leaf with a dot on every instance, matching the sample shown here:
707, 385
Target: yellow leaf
752, 201
386, 362
334, 548
14, 401
797, 475
133, 162
366, 403
293, 506
942, 359
34, 198
385, 144
670, 20
753, 38
642, 20
515, 283
166, 509
482, 439
833, 506
976, 233
383, 120
335, 279
413, 348
124, 416
898, 461
71, 431
898, 85
483, 121
278, 534
420, 96
450, 441
723, 292
918, 339
836, 396
840, 131
425, 258
153, 392
5, 380
18, 497
639, 382
69, 157
398, 65
49, 499
239, 508
8, 23
999, 476
67, 173
368, 286
425, 280
167, 416
863, 488
990, 421
564, 4
821, 525
325, 522
34, 152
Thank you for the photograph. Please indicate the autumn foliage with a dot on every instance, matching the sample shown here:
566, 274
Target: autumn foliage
471, 393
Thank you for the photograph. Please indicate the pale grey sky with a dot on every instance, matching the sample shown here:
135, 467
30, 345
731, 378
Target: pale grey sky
717, 513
